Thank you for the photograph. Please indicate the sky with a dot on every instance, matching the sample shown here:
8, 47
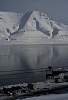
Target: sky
57, 9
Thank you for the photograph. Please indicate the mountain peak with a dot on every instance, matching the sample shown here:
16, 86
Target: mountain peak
38, 21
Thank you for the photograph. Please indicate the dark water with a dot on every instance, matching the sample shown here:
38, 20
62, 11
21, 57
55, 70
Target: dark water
24, 62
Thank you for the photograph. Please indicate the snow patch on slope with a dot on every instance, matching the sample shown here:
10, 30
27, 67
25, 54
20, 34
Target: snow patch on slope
49, 97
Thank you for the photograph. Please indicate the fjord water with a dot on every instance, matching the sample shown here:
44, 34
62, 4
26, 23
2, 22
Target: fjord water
25, 63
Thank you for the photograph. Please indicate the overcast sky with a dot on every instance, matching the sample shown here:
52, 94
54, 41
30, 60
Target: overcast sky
58, 9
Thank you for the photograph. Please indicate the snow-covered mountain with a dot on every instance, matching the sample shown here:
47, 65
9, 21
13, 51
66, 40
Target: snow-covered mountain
31, 24
39, 21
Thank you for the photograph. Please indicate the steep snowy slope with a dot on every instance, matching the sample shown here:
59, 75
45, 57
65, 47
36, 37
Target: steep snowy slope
9, 23
39, 21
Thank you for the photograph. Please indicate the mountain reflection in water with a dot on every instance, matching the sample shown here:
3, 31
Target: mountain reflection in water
16, 58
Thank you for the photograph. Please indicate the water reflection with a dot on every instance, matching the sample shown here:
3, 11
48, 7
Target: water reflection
27, 58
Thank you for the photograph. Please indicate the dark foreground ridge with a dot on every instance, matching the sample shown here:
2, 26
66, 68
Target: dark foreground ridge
56, 82
32, 89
